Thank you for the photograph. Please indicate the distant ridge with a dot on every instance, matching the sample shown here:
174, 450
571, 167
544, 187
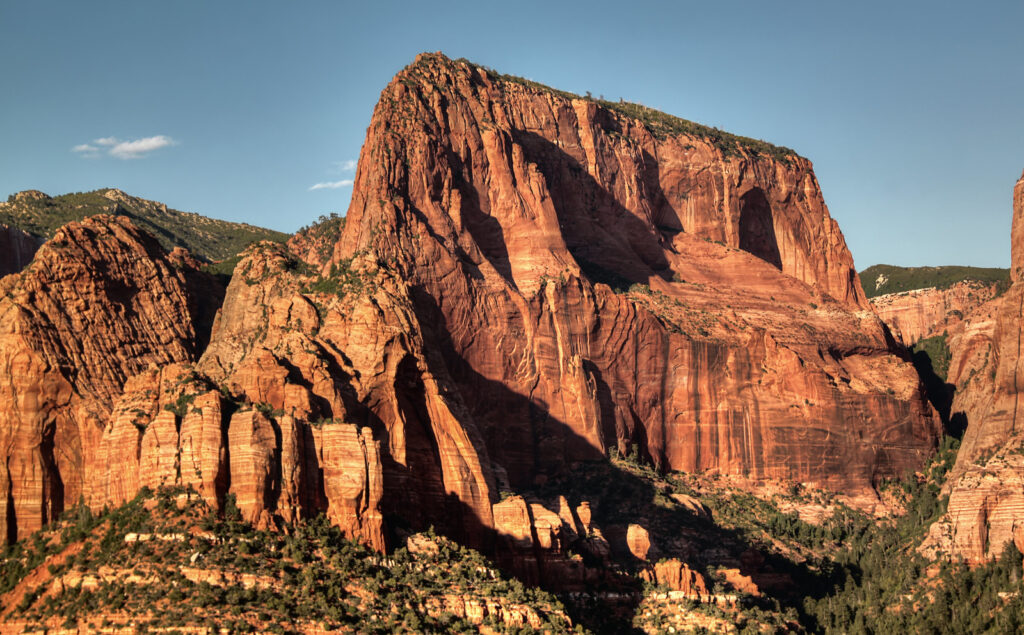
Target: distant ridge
882, 279
208, 239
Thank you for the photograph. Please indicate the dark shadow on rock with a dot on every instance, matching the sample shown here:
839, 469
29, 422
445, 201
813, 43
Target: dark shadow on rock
957, 425
757, 228
484, 228
611, 243
553, 466
940, 394
205, 297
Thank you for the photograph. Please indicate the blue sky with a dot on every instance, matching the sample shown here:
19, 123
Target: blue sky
912, 112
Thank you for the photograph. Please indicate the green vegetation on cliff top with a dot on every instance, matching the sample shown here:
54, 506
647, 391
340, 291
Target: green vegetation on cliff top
882, 279
662, 125
207, 238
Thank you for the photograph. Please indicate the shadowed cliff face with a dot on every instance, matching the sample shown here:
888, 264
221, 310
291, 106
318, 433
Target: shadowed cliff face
524, 282
16, 249
742, 346
986, 487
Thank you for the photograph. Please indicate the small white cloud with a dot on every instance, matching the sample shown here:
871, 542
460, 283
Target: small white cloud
340, 167
140, 147
123, 149
332, 185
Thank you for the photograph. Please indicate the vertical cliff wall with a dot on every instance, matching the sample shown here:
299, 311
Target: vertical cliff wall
594, 282
100, 302
16, 249
986, 487
915, 315
525, 280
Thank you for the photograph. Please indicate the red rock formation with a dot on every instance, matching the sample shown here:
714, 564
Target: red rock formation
356, 359
501, 203
100, 302
460, 340
740, 582
921, 313
638, 540
678, 576
353, 480
315, 244
986, 486
16, 249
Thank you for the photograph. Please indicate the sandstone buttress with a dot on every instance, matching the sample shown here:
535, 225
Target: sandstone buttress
524, 281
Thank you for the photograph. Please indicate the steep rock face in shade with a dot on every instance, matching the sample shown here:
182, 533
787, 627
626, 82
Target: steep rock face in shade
16, 249
915, 315
986, 486
504, 207
524, 281
347, 370
100, 302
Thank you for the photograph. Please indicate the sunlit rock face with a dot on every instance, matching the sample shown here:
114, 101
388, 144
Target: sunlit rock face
745, 345
524, 281
99, 303
915, 315
986, 487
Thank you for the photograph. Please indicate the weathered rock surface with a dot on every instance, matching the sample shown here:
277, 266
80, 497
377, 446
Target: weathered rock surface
500, 204
474, 331
986, 486
915, 315
315, 243
678, 576
99, 303
16, 249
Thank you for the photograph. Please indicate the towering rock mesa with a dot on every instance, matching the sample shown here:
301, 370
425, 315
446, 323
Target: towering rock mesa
525, 280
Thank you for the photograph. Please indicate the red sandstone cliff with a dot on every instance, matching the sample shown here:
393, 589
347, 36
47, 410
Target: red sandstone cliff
501, 205
100, 302
462, 340
915, 315
986, 487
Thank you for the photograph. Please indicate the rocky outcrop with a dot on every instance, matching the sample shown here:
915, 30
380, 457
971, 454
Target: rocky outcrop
678, 576
173, 428
915, 315
525, 281
100, 302
354, 357
507, 207
315, 243
986, 486
16, 249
